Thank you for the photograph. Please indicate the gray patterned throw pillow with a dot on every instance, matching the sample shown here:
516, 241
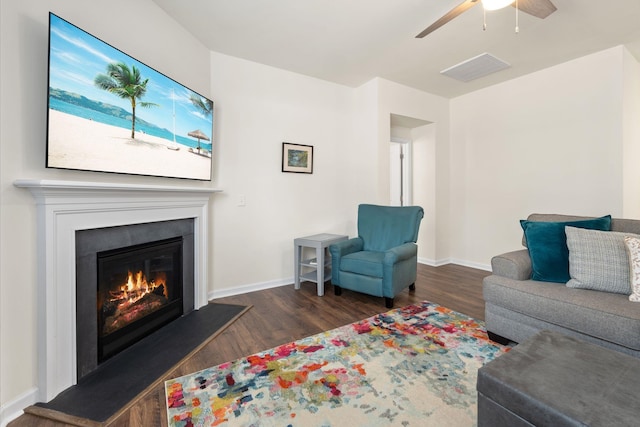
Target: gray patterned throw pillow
598, 260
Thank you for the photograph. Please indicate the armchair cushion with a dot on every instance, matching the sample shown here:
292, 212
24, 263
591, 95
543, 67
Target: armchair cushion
385, 227
364, 262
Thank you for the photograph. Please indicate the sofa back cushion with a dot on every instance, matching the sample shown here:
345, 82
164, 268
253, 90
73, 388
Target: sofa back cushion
625, 225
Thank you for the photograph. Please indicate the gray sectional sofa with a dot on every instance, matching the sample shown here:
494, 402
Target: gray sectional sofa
517, 307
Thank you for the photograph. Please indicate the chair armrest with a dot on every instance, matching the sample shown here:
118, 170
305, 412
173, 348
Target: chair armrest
400, 253
514, 265
346, 247
340, 249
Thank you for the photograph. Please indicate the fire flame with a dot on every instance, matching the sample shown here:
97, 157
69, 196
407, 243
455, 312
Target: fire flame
137, 287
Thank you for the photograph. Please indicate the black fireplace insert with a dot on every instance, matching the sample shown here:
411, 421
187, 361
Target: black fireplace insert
139, 291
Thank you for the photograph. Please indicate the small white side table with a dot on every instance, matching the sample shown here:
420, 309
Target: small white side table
320, 265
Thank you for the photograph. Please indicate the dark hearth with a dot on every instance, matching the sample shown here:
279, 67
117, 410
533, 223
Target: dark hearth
115, 383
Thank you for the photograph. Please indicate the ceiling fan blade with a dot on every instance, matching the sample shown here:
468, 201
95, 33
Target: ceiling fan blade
538, 8
459, 9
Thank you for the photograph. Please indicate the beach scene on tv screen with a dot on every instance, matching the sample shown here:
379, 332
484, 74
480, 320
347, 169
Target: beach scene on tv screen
111, 113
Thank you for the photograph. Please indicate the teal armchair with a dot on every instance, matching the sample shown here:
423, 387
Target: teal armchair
383, 259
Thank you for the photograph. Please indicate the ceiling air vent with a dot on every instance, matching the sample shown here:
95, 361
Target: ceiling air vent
476, 67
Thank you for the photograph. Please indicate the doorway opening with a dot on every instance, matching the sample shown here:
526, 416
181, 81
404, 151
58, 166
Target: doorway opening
400, 172
405, 132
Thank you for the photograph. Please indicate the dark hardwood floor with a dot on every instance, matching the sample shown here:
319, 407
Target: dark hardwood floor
281, 315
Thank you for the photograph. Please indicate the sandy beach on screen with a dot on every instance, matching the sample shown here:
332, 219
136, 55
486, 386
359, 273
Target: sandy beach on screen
77, 143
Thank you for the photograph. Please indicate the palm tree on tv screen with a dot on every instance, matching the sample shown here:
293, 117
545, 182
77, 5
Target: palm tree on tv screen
126, 83
205, 106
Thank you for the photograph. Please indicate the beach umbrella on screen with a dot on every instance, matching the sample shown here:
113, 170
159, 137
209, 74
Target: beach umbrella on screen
198, 134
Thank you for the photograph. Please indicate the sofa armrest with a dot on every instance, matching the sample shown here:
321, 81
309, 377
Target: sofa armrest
513, 265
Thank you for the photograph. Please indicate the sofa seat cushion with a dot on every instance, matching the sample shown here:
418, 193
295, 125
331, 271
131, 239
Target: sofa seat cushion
607, 316
368, 263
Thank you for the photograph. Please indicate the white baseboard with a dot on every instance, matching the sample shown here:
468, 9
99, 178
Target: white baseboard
433, 262
425, 261
245, 289
476, 265
14, 408
441, 262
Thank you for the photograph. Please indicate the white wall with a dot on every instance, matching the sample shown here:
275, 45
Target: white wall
551, 141
631, 136
150, 36
259, 108
424, 169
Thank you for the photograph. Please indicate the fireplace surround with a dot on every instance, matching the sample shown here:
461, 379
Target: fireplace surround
65, 207
130, 281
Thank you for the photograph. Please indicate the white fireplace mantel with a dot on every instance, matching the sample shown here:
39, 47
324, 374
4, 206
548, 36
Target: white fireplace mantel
64, 207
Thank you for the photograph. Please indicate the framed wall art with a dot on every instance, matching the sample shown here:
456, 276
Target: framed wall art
297, 158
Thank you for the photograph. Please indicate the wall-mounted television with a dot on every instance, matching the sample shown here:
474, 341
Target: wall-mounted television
108, 112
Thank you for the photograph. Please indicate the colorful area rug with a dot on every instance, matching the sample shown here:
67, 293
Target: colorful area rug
413, 366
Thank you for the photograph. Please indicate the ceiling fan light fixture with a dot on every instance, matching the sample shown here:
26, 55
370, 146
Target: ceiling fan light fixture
495, 4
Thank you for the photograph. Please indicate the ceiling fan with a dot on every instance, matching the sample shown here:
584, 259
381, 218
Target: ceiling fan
538, 8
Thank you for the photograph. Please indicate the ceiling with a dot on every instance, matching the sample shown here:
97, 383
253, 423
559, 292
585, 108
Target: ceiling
350, 42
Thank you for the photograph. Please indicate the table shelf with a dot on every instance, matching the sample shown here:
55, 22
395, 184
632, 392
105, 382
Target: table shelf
313, 262
312, 276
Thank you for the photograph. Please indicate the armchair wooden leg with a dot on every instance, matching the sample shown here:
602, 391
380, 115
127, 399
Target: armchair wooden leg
412, 287
337, 290
388, 302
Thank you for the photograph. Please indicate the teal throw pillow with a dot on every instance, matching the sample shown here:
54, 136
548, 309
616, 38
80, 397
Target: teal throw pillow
547, 244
